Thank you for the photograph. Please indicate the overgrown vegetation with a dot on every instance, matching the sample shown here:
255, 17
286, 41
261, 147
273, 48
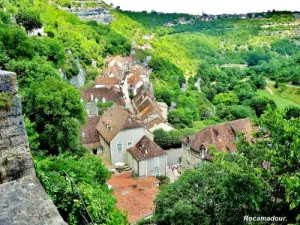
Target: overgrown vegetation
5, 101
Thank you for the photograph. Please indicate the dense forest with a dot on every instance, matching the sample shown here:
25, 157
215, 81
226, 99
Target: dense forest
231, 69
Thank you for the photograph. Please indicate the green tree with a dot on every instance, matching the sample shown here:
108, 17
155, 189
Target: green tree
226, 98
244, 91
29, 19
55, 107
276, 154
212, 194
260, 104
66, 177
235, 112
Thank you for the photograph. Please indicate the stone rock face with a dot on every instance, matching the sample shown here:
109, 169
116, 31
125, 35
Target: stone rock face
22, 198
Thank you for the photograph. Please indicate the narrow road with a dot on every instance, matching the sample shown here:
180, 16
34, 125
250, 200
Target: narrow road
289, 85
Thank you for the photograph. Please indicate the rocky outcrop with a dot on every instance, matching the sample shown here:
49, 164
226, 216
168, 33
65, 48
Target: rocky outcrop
22, 198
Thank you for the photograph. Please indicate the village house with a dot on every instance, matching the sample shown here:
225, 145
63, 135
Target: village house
134, 196
89, 135
135, 82
149, 111
221, 136
93, 96
142, 72
119, 130
102, 82
146, 158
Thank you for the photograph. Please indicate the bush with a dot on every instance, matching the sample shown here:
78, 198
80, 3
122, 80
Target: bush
5, 101
29, 19
171, 139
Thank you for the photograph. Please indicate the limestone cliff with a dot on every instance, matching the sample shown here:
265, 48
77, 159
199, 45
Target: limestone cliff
23, 200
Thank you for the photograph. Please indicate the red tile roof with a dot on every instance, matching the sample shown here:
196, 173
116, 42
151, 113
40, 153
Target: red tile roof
221, 135
106, 81
146, 105
134, 80
145, 149
134, 196
91, 136
106, 92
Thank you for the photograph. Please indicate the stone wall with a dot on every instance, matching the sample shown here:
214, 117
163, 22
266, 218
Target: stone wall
22, 198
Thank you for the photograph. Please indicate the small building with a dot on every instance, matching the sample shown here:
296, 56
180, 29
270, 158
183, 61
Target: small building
134, 196
135, 82
221, 136
89, 135
149, 111
107, 94
147, 159
119, 130
93, 96
102, 82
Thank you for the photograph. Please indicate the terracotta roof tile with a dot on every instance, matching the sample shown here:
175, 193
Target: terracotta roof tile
221, 135
134, 196
145, 149
146, 105
106, 81
134, 80
108, 93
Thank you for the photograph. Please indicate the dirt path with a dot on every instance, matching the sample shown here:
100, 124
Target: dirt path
289, 85
270, 90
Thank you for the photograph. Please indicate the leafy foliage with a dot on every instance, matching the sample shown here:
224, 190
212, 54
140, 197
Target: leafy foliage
211, 194
73, 181
55, 108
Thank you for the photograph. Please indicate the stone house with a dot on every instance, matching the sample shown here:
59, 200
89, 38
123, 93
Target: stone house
102, 82
89, 135
150, 112
147, 159
119, 130
135, 82
221, 136
92, 96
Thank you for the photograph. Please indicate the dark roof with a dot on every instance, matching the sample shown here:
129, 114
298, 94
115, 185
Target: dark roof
221, 136
109, 93
89, 134
114, 120
145, 149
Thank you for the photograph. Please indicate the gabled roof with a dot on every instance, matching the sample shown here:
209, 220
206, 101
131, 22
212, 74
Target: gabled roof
134, 80
146, 105
106, 92
114, 120
119, 59
89, 134
134, 196
145, 149
139, 70
221, 135
106, 81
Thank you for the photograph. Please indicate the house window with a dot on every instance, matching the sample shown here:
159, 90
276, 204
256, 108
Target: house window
129, 144
119, 147
156, 162
156, 173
